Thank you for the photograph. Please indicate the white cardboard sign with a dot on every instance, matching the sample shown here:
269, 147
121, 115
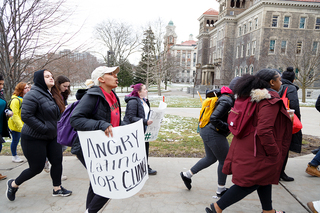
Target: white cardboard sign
117, 166
156, 116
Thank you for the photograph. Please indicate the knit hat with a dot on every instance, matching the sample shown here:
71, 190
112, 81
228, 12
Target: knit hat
100, 71
289, 74
233, 82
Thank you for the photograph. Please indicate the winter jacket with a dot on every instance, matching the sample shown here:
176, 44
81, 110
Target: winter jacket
135, 110
292, 95
15, 123
219, 116
5, 129
40, 114
257, 158
318, 103
82, 118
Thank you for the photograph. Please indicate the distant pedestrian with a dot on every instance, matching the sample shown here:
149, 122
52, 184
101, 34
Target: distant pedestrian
40, 113
255, 160
138, 107
214, 136
4, 114
98, 109
15, 123
287, 80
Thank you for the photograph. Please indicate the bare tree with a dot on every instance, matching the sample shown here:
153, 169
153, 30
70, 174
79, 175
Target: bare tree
119, 39
303, 56
28, 32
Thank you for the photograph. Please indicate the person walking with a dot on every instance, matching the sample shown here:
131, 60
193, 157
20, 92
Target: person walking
98, 109
138, 107
287, 80
255, 160
62, 83
4, 113
312, 167
214, 136
40, 113
15, 123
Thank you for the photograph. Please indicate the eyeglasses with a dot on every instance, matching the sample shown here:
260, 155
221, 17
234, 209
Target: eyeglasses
26, 88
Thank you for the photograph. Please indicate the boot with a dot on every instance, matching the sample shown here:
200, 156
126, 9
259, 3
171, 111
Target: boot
2, 177
285, 177
313, 170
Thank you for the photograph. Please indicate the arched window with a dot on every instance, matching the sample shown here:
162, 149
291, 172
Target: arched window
236, 72
241, 71
232, 3
251, 70
238, 4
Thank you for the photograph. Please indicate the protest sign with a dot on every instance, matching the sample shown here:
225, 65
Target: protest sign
117, 166
156, 116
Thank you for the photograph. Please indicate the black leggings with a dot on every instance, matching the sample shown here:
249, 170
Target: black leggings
36, 151
94, 202
237, 193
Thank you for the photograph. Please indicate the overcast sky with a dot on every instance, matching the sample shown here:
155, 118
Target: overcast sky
184, 14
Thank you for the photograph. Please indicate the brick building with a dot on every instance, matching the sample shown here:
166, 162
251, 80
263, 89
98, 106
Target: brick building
248, 35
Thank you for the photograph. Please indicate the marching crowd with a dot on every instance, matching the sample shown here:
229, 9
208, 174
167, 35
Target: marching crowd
256, 158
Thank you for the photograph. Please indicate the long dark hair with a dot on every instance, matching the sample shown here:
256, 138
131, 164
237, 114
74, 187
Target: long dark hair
258, 81
60, 80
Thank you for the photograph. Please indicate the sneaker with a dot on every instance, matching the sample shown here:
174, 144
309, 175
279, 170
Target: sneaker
3, 177
16, 159
313, 171
63, 177
11, 191
212, 210
61, 192
151, 171
221, 193
46, 167
187, 181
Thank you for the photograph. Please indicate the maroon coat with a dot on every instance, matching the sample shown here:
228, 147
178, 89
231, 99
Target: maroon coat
260, 162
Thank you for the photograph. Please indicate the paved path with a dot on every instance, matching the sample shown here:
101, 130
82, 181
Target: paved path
163, 193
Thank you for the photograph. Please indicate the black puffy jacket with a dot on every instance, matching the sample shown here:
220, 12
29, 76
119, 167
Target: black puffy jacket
292, 95
135, 110
40, 114
82, 117
219, 116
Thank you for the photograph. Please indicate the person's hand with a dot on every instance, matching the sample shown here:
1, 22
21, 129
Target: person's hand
108, 131
9, 113
149, 122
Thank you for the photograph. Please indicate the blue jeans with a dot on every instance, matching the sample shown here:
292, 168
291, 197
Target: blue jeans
15, 140
316, 160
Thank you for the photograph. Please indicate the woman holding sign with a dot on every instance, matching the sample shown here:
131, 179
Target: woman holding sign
138, 107
108, 115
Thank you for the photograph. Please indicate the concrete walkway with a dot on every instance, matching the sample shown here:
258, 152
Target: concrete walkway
163, 193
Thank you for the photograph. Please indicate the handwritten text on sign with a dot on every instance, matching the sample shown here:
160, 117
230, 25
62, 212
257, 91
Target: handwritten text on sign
117, 166
156, 116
